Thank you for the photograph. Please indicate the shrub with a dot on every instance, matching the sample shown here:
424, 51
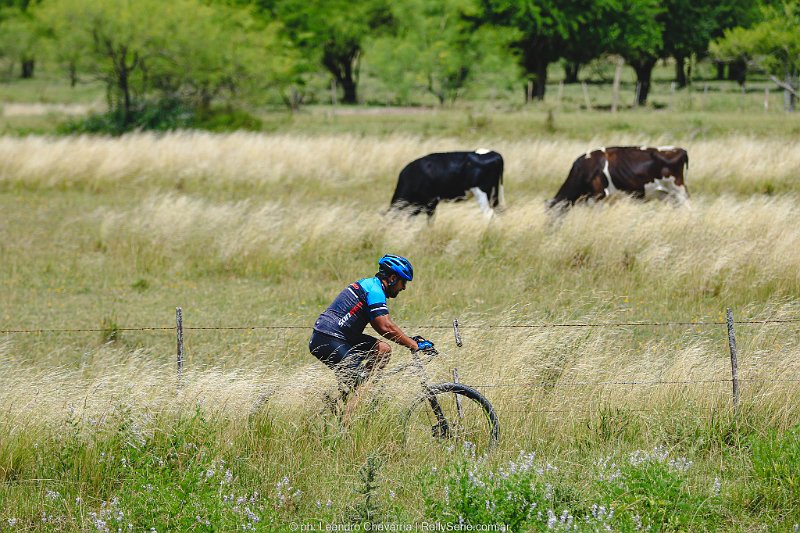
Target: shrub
162, 115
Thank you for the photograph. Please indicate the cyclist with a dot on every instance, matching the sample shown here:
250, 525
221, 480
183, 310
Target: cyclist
338, 339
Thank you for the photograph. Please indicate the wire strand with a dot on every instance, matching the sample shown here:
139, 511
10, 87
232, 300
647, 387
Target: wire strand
435, 326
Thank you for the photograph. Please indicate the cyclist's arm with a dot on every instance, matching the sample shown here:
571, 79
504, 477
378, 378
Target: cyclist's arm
389, 330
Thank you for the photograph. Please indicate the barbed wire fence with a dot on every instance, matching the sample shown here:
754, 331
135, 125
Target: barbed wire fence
730, 323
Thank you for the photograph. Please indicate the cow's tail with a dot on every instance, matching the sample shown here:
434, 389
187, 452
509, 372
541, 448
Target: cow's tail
501, 197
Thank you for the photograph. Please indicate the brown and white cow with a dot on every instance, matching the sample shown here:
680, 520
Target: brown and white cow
641, 172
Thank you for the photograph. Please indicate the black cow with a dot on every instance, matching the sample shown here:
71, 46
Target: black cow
450, 176
639, 171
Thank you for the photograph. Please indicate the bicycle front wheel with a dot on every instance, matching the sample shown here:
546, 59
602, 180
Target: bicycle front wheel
452, 414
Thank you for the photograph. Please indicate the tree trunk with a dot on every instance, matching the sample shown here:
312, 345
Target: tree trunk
680, 71
27, 68
349, 88
125, 89
534, 61
644, 71
737, 71
720, 70
540, 81
571, 69
344, 67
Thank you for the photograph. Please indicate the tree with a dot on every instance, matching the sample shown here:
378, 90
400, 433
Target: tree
186, 51
597, 34
688, 27
333, 32
773, 45
20, 36
731, 14
543, 28
435, 47
636, 35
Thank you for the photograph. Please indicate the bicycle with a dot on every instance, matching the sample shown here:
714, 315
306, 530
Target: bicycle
442, 414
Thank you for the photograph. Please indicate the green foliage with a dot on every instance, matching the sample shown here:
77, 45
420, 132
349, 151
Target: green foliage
132, 477
543, 29
367, 508
776, 478
772, 44
435, 48
165, 65
333, 31
655, 492
20, 37
520, 494
110, 330
140, 285
649, 489
163, 115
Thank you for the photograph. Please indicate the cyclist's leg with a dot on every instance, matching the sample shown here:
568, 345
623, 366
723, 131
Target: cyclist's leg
383, 353
347, 358
368, 358
332, 351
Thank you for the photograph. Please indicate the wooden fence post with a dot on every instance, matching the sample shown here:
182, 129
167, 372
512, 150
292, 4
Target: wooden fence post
734, 363
457, 334
179, 330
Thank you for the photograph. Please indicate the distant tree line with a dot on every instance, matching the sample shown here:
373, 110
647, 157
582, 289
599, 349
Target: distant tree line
187, 56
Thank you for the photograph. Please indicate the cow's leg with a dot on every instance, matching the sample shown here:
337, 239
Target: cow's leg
483, 201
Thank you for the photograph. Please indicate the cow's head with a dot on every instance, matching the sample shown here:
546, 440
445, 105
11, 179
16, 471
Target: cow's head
671, 183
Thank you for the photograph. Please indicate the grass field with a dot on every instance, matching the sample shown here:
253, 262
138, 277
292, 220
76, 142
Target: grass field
625, 427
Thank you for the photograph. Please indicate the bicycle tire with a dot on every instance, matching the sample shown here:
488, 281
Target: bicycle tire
477, 425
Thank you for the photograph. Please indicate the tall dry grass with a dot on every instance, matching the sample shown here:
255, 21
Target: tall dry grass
738, 164
716, 245
674, 264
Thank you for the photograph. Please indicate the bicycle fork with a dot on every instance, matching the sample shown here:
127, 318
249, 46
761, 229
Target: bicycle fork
441, 429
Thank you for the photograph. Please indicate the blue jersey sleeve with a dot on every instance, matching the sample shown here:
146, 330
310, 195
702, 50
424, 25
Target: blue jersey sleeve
376, 298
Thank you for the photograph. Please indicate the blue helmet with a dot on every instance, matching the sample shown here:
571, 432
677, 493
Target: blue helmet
397, 264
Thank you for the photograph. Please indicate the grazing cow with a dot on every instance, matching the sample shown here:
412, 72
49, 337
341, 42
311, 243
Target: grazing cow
640, 171
450, 176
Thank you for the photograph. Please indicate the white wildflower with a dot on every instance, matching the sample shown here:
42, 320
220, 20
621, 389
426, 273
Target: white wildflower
551, 519
717, 487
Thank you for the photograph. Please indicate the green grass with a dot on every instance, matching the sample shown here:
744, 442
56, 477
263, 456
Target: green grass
195, 471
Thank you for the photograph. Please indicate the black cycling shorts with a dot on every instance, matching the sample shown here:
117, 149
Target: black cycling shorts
345, 357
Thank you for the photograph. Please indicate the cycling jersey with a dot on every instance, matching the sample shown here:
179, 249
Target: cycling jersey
351, 311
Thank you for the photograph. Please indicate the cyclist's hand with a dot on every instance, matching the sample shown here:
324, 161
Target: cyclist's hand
423, 344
